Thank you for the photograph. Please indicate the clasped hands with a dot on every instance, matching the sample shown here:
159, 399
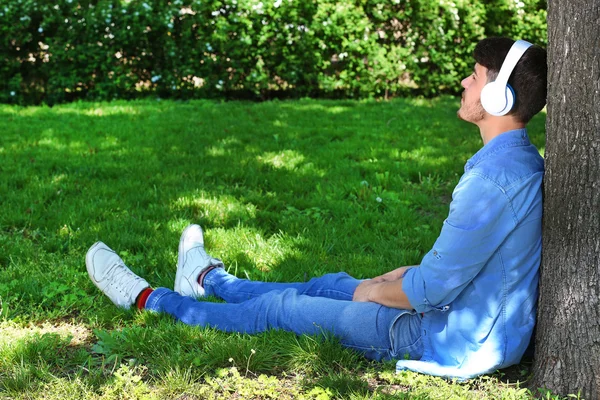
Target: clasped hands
378, 289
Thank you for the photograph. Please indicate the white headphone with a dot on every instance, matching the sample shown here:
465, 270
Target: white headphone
497, 97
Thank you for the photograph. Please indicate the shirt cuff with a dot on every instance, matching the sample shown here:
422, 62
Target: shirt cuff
413, 286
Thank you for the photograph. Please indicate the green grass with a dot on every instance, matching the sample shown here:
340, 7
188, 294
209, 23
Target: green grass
285, 191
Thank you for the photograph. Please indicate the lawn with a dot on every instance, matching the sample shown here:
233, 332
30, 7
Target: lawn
285, 191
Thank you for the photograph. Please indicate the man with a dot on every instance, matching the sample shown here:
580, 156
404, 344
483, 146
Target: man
468, 309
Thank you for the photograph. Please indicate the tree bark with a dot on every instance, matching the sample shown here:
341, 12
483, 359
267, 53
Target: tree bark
567, 354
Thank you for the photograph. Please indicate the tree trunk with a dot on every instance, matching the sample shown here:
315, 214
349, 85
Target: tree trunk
567, 354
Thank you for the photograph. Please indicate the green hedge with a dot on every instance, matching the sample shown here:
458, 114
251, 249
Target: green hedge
62, 50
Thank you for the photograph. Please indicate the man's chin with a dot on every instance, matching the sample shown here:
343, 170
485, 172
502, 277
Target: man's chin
472, 117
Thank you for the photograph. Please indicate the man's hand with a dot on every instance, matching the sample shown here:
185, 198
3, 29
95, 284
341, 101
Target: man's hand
393, 275
362, 290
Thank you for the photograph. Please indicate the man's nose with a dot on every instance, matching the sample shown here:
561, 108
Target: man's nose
465, 82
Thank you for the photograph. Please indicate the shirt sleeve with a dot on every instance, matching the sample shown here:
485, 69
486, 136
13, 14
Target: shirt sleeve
479, 221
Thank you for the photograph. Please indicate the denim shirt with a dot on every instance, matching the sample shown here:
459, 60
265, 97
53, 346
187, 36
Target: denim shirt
478, 285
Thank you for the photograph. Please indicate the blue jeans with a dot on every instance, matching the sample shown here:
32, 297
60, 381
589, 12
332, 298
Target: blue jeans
319, 305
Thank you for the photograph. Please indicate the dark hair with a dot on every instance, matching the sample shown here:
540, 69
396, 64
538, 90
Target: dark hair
528, 79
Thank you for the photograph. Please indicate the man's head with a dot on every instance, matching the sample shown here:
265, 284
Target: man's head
528, 80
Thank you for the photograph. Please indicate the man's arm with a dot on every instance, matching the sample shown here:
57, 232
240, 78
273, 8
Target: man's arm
387, 293
480, 218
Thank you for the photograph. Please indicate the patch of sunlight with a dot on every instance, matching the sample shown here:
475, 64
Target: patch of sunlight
106, 110
247, 245
280, 124
336, 109
224, 146
59, 178
215, 210
10, 109
110, 141
52, 142
11, 332
230, 140
424, 156
311, 105
420, 102
287, 159
542, 151
66, 388
26, 111
216, 151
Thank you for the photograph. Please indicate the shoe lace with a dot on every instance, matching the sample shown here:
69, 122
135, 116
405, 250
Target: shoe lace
122, 278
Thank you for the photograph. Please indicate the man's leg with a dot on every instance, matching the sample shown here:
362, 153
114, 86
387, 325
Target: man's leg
376, 331
217, 282
199, 274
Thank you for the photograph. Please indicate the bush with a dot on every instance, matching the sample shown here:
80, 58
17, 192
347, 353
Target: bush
99, 50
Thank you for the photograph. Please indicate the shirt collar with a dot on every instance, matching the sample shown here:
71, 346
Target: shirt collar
514, 138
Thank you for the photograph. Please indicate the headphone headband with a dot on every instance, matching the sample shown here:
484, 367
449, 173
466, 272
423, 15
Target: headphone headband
512, 58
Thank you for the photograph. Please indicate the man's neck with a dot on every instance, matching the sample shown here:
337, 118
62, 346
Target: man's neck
491, 127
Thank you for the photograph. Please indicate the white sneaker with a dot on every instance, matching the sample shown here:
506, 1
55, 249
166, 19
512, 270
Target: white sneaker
110, 274
192, 261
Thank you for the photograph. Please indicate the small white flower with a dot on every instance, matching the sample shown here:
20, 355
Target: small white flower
12, 93
364, 183
277, 3
155, 78
378, 199
40, 29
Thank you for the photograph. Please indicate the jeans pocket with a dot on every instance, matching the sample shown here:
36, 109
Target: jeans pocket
405, 336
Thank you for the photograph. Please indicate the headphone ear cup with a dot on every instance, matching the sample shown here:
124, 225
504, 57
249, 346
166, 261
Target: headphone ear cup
497, 99
510, 99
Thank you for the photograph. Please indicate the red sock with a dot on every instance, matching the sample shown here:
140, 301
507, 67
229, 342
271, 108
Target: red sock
203, 274
143, 297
